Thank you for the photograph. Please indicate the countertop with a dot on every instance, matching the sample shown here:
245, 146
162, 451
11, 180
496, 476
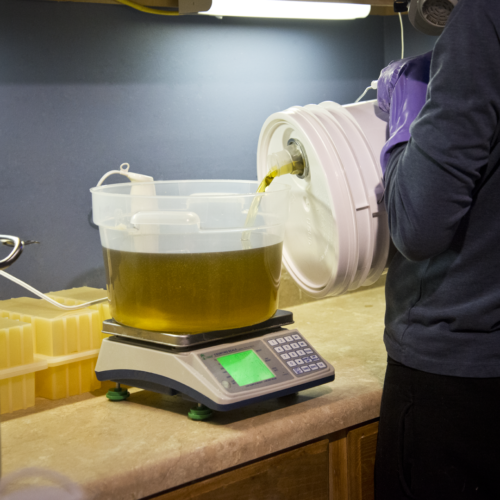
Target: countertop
135, 448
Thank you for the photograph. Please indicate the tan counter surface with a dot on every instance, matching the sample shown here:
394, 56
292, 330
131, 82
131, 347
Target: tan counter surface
135, 448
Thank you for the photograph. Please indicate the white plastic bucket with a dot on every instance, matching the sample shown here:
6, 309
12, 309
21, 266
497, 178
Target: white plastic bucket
337, 237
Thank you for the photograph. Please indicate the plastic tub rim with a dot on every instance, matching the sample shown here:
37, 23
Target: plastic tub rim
101, 190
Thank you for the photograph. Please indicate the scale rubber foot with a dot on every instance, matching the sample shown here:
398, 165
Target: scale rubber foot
201, 412
117, 394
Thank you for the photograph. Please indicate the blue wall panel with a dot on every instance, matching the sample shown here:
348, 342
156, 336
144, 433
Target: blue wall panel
85, 87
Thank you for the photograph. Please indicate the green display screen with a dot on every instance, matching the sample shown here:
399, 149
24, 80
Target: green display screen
245, 367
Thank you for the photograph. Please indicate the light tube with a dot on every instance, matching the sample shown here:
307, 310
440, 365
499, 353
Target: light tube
287, 9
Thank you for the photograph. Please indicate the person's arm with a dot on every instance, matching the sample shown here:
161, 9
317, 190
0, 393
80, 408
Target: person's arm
429, 181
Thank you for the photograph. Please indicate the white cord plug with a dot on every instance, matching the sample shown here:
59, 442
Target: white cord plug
124, 170
373, 86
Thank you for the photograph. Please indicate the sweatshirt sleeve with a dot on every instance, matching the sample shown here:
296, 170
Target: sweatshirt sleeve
429, 182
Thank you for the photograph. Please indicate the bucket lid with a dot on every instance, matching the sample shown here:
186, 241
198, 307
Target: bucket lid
368, 124
333, 239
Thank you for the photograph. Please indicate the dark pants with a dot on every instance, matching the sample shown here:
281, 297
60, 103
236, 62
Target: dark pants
439, 437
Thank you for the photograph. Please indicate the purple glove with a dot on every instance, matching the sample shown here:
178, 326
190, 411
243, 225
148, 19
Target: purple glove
402, 91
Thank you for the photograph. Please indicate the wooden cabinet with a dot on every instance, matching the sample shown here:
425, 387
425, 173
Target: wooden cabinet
300, 473
352, 463
339, 475
339, 467
361, 444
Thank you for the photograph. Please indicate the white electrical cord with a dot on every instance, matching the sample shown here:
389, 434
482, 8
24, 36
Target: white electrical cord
363, 94
124, 167
402, 36
375, 82
45, 297
373, 86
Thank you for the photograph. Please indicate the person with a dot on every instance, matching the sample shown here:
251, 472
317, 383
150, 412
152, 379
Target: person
438, 433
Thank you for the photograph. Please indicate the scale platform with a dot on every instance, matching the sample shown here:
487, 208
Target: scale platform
193, 340
222, 370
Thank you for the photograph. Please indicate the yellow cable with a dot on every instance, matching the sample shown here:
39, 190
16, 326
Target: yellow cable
149, 10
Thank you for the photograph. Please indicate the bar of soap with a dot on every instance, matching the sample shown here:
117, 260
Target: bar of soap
17, 387
56, 332
76, 296
16, 343
17, 393
67, 380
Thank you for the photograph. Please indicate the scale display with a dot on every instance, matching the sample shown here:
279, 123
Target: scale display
245, 367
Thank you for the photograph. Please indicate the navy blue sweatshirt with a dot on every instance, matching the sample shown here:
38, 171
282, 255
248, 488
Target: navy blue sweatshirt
443, 201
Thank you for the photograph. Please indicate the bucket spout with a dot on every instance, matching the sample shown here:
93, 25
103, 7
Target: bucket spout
291, 160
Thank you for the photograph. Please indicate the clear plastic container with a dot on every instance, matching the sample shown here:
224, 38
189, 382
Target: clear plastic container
181, 256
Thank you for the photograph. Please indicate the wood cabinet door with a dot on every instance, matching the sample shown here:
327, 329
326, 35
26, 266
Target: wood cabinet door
300, 473
361, 446
339, 475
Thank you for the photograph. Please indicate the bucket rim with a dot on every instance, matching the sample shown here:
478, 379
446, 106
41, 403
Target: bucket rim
277, 188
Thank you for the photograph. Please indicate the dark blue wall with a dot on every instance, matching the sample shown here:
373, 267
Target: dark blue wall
86, 87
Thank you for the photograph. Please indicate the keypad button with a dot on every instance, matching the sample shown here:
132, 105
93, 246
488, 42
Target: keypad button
287, 348
281, 340
306, 360
293, 354
320, 364
314, 357
289, 339
299, 362
285, 356
296, 337
292, 363
308, 351
313, 366
279, 349
295, 345
302, 344
301, 352
297, 371
306, 369
272, 342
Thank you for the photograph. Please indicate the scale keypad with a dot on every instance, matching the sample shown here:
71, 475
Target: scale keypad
296, 354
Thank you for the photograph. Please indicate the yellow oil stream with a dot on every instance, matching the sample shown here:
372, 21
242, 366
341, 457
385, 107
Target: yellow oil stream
294, 167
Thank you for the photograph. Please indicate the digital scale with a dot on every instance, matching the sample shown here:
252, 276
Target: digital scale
333, 227
221, 370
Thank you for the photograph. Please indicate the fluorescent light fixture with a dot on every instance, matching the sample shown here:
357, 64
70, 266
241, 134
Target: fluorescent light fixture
287, 9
